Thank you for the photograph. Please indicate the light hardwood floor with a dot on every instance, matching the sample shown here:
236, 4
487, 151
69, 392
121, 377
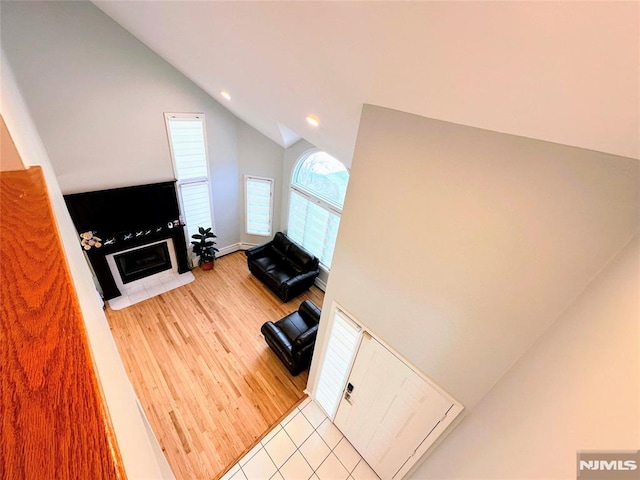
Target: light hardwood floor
206, 379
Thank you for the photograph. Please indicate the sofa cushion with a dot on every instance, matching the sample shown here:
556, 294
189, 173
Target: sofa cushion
300, 259
293, 266
281, 244
292, 326
264, 264
282, 273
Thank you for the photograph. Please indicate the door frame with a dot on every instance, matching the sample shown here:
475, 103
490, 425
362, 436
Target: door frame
436, 432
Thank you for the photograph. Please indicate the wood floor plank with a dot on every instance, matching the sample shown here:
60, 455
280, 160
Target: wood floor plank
204, 375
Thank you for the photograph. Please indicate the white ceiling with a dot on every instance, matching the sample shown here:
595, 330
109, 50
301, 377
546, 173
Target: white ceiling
565, 72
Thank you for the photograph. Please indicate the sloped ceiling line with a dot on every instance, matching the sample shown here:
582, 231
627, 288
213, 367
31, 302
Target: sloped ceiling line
564, 72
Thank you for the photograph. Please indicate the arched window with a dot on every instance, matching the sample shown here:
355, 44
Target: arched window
318, 187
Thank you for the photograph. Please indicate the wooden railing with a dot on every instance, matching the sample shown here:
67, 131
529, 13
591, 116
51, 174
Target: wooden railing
53, 422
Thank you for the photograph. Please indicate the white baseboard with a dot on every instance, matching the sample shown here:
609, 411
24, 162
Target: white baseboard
228, 249
320, 284
235, 247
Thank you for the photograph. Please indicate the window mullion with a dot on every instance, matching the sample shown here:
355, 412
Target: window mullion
192, 180
317, 200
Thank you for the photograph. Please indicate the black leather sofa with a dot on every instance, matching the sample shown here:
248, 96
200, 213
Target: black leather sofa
286, 268
292, 338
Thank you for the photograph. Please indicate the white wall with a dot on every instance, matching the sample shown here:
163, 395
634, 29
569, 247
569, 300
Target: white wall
141, 454
460, 246
577, 388
257, 155
291, 156
97, 96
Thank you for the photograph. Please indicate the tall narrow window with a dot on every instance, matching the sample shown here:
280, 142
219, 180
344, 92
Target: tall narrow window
258, 192
344, 338
189, 154
318, 188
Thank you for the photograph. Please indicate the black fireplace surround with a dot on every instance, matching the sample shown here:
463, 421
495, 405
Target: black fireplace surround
126, 218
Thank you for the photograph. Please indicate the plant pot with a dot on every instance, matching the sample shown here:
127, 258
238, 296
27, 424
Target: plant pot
207, 265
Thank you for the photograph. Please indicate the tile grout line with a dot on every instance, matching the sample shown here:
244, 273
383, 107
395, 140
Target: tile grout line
301, 443
297, 448
331, 450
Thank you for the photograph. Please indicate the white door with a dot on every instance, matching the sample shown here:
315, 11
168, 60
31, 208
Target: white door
387, 409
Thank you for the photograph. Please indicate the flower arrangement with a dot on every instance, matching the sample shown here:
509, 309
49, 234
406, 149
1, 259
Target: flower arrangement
89, 240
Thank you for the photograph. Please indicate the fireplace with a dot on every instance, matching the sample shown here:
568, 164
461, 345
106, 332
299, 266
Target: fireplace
142, 262
141, 234
145, 271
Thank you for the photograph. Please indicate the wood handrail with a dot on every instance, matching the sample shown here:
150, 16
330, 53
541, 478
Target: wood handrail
53, 420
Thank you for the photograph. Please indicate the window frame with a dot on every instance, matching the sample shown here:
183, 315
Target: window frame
168, 116
271, 182
312, 197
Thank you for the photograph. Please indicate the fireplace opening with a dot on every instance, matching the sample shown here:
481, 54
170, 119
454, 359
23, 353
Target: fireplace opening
142, 262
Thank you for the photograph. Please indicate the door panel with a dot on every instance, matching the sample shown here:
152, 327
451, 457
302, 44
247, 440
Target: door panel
390, 410
341, 348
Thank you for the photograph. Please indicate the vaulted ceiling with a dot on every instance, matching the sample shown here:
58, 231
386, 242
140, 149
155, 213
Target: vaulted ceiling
565, 72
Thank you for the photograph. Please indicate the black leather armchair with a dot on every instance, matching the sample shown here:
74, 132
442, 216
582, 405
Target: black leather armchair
283, 266
292, 338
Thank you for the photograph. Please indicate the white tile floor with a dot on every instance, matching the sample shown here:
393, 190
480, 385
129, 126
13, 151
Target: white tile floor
146, 288
304, 446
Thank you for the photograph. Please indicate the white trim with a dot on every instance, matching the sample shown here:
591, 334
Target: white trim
333, 315
318, 356
321, 202
199, 116
324, 203
235, 247
272, 183
321, 284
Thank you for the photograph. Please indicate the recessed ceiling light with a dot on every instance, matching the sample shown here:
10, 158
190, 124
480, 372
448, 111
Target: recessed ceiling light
225, 95
313, 121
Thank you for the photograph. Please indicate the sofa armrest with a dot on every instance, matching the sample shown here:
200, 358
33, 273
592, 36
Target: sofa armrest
300, 278
258, 251
305, 338
269, 329
309, 312
296, 285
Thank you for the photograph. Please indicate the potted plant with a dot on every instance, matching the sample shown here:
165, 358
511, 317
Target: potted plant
204, 247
